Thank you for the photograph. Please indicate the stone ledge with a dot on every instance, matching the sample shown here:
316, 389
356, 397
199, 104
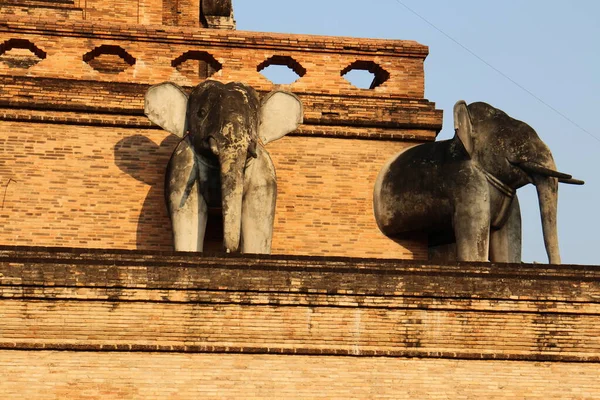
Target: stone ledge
67, 101
133, 348
309, 128
112, 300
80, 257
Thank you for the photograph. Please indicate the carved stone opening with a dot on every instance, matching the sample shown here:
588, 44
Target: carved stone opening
360, 72
281, 69
20, 53
195, 63
109, 59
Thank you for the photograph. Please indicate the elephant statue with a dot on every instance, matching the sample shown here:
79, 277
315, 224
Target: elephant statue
461, 192
221, 160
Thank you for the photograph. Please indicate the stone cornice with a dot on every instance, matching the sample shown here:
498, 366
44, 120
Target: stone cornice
402, 308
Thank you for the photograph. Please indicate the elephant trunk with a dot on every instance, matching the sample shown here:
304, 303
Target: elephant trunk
232, 188
547, 189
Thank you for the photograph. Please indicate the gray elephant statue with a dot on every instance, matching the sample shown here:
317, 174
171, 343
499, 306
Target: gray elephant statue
460, 193
221, 160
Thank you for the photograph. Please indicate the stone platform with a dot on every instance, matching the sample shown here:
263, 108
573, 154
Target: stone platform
82, 323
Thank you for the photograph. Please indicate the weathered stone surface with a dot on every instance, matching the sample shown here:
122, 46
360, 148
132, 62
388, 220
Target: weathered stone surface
463, 190
217, 14
77, 299
221, 161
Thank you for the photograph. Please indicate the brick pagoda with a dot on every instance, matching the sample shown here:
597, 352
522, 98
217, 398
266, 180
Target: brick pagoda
94, 303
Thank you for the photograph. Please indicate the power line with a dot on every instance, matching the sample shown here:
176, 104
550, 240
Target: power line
498, 71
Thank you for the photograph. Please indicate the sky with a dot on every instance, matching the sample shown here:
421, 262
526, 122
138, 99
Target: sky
548, 55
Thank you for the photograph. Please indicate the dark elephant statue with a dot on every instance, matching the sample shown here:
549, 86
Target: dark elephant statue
462, 191
221, 161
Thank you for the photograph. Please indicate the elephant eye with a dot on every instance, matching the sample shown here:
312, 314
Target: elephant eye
202, 113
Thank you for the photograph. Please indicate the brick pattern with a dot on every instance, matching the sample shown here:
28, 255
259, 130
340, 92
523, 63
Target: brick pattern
126, 12
314, 129
155, 49
290, 329
324, 114
102, 187
60, 375
143, 12
127, 301
140, 324
43, 9
325, 198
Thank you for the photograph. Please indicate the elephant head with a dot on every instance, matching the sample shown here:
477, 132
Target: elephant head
226, 125
511, 152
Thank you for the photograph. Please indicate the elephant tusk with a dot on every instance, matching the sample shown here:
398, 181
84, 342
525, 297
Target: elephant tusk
571, 181
538, 169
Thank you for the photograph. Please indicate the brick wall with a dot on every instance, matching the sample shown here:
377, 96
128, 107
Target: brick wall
60, 375
89, 186
103, 300
85, 324
54, 10
154, 49
86, 167
143, 12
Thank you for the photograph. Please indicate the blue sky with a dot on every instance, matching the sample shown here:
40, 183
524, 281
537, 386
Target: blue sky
550, 47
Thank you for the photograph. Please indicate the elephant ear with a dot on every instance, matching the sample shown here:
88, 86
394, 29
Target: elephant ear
280, 113
463, 126
165, 104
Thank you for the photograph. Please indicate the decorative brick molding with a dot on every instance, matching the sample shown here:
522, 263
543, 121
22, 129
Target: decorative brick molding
109, 59
164, 53
325, 114
240, 53
380, 74
99, 183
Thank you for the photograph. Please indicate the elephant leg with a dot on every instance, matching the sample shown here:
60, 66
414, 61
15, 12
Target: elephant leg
471, 220
187, 207
505, 243
189, 221
258, 207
